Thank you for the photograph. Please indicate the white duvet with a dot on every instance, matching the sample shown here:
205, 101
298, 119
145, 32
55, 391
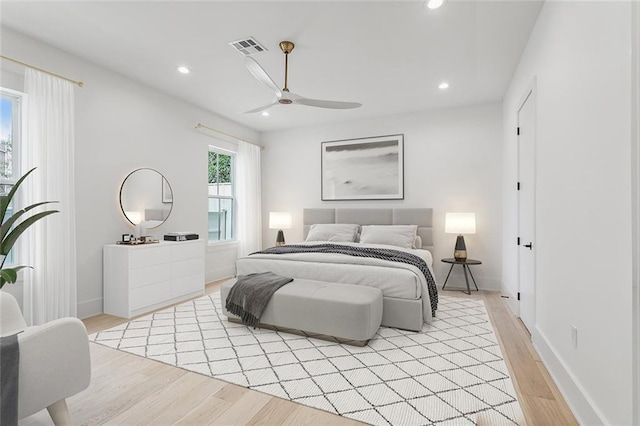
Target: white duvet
394, 279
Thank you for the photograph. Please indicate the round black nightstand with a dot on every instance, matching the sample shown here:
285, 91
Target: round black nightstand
465, 266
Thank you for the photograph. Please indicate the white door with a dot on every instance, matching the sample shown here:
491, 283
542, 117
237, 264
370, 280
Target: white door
526, 210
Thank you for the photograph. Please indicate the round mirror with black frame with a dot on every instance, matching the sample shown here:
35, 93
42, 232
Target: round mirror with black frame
146, 198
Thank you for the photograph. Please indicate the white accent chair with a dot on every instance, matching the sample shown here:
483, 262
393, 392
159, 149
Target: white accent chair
55, 362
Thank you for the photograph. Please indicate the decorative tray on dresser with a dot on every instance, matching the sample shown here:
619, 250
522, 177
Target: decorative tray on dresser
144, 277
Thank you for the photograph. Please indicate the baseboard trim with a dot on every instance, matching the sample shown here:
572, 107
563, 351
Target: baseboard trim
90, 308
581, 405
512, 302
218, 274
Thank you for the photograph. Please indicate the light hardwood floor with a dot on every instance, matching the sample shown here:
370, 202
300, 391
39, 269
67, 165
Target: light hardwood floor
127, 389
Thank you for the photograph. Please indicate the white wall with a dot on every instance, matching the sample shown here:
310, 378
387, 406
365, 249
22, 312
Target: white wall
452, 161
579, 54
122, 125
635, 168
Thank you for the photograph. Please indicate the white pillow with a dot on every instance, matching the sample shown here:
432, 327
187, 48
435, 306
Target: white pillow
393, 235
417, 242
335, 232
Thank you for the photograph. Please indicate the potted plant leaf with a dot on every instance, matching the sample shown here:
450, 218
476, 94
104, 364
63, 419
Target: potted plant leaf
13, 226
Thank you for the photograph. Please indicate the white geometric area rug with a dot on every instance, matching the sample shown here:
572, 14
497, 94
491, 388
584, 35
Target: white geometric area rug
452, 372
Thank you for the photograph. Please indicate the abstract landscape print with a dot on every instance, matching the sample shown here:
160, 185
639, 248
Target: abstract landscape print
363, 169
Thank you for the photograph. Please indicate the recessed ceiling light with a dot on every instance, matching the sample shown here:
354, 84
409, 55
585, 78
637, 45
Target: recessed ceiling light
184, 70
443, 85
434, 4
265, 113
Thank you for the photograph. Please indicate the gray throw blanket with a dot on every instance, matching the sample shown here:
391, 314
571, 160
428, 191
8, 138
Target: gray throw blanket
376, 253
9, 366
250, 295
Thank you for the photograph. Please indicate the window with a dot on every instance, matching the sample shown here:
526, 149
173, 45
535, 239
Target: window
221, 196
10, 126
10, 131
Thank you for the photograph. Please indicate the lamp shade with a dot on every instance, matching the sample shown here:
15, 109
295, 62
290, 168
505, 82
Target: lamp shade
280, 220
134, 217
460, 223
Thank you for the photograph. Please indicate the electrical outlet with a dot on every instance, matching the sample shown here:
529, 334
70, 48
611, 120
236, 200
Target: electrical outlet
574, 336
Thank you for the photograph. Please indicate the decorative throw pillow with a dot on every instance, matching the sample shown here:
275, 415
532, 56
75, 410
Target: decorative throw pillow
417, 242
335, 232
393, 235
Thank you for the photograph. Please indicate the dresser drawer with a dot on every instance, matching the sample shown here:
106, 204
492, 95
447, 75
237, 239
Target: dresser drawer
186, 250
187, 284
138, 279
150, 295
187, 267
148, 256
141, 277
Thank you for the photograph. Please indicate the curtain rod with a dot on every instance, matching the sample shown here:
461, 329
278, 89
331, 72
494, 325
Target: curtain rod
202, 126
79, 83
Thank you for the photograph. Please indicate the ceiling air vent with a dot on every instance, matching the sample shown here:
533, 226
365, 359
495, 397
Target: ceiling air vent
247, 46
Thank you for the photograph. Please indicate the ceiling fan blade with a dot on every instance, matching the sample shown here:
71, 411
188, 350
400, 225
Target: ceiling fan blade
262, 108
261, 75
326, 104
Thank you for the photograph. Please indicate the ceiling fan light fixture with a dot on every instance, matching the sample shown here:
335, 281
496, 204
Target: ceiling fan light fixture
434, 4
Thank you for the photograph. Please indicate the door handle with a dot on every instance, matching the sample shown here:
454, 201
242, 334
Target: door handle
529, 246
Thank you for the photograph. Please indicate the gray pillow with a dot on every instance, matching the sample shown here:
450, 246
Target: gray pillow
335, 232
393, 235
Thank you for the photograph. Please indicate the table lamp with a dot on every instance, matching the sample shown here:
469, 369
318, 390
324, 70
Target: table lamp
460, 223
136, 219
280, 221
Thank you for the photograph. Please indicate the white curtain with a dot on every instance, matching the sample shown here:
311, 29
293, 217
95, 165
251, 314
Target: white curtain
50, 245
248, 195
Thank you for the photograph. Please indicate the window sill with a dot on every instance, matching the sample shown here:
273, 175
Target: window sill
221, 245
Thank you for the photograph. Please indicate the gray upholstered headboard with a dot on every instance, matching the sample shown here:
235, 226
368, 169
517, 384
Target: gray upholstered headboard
392, 216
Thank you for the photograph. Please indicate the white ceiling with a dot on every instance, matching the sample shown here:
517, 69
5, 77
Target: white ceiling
390, 55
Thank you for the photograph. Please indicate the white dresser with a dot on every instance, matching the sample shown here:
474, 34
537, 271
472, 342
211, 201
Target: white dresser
139, 279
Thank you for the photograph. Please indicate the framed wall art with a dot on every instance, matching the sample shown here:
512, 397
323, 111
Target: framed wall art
363, 169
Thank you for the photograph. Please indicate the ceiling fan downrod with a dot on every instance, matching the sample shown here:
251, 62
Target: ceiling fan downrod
286, 47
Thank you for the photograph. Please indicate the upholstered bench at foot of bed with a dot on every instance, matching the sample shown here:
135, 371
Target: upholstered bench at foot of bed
345, 311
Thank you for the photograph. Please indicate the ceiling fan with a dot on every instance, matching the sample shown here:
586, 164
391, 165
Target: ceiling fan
284, 96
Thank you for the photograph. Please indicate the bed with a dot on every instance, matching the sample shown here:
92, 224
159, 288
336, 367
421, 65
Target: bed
406, 300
